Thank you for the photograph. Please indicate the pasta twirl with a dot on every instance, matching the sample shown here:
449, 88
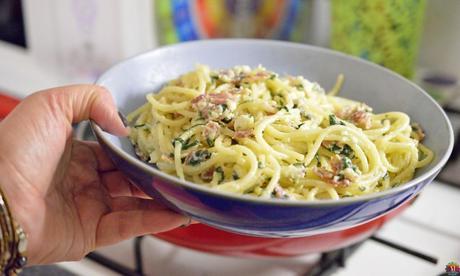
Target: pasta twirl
251, 131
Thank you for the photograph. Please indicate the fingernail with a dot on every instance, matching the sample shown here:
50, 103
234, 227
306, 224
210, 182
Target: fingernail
187, 223
123, 119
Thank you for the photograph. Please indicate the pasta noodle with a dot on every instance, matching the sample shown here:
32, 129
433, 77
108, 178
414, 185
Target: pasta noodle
251, 131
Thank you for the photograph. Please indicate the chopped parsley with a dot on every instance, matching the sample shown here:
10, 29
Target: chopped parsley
185, 144
340, 176
226, 120
200, 124
333, 120
220, 171
188, 145
260, 165
335, 148
138, 126
386, 176
214, 78
272, 76
235, 175
279, 101
347, 151
304, 115
210, 142
344, 150
178, 139
198, 156
347, 162
421, 155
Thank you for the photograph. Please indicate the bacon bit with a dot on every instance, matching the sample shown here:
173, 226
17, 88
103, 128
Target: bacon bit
280, 193
340, 182
176, 115
167, 158
344, 113
417, 132
263, 74
243, 133
211, 130
208, 104
198, 99
201, 105
226, 75
328, 144
219, 98
259, 76
323, 173
247, 78
208, 174
362, 119
234, 90
196, 157
331, 178
336, 164
358, 115
142, 155
231, 125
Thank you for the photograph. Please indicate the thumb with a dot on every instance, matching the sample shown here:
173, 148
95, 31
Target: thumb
82, 102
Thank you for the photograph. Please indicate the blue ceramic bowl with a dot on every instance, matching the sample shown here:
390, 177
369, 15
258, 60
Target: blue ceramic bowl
130, 80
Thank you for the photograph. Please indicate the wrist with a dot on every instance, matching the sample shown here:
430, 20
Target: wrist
13, 241
16, 216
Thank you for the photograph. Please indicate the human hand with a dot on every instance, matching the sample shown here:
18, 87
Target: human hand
66, 194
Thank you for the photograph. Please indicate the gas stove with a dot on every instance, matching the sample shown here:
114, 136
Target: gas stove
421, 241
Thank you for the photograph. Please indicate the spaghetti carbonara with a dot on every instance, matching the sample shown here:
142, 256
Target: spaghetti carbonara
251, 131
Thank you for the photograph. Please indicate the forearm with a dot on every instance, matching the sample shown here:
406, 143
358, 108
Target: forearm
17, 197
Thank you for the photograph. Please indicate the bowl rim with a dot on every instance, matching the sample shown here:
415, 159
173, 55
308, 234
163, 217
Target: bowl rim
251, 199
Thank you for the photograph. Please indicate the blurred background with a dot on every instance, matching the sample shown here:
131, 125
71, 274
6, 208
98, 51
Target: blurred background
49, 43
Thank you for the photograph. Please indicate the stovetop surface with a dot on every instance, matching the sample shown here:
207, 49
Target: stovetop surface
429, 227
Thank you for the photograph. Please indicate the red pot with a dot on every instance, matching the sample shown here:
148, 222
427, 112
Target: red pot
208, 239
7, 104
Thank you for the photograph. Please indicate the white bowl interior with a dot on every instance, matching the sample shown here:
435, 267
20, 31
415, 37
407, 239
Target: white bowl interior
383, 90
